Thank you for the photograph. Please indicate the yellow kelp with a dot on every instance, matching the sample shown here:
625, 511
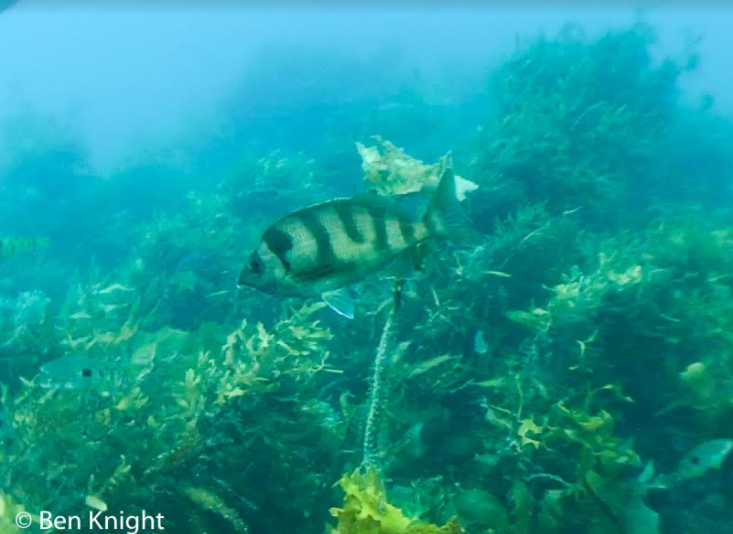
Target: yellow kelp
367, 511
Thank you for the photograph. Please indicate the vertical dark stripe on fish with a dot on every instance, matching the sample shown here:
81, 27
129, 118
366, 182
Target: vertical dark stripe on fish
279, 243
325, 256
381, 241
407, 229
347, 217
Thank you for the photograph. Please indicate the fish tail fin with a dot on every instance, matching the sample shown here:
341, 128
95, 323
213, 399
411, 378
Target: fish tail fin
445, 217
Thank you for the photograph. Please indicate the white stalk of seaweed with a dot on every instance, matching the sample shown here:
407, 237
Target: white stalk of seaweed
379, 387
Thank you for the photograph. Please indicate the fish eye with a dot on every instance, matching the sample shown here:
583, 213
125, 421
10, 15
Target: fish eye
256, 265
86, 372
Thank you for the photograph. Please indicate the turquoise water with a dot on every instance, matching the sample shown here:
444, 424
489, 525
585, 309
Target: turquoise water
570, 374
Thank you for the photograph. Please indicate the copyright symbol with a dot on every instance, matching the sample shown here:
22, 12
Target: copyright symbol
23, 520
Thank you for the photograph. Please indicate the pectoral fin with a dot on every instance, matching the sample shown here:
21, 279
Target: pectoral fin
401, 267
404, 266
341, 302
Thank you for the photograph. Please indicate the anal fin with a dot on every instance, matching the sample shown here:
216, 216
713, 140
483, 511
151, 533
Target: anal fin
401, 267
404, 266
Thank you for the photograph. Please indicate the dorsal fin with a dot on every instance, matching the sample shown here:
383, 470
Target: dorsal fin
371, 199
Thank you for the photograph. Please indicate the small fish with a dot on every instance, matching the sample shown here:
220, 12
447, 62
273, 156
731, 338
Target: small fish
574, 210
323, 249
13, 246
701, 459
114, 288
500, 274
74, 372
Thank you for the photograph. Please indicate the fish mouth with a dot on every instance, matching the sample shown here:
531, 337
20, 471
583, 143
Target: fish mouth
241, 283
242, 287
242, 279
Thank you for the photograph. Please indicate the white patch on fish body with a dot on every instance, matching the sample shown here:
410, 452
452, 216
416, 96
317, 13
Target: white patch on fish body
395, 239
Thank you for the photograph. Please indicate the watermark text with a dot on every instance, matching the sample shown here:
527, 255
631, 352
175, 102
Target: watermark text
95, 520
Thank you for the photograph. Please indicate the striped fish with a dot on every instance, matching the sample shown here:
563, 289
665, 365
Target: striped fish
322, 249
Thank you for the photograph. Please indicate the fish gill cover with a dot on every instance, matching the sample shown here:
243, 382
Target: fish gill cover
603, 298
